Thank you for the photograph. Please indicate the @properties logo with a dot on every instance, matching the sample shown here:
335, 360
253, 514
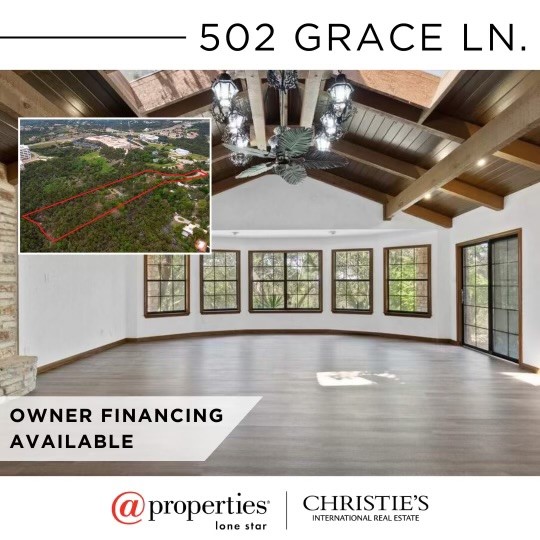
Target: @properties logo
128, 507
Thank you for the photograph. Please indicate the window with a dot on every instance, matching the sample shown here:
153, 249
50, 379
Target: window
489, 306
352, 290
166, 279
407, 281
285, 281
220, 282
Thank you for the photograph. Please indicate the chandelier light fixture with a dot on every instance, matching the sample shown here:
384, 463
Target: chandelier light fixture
236, 122
322, 142
339, 108
340, 94
290, 151
224, 90
330, 123
282, 79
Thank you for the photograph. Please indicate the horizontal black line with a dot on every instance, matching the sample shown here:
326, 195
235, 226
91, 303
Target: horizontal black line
93, 37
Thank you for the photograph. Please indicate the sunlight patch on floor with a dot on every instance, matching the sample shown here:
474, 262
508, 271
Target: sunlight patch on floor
342, 378
529, 378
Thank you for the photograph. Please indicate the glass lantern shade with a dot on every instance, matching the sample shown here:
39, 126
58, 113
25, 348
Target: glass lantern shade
322, 142
236, 121
224, 90
239, 139
329, 122
340, 91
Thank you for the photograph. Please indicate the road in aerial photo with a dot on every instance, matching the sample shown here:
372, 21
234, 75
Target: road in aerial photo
114, 185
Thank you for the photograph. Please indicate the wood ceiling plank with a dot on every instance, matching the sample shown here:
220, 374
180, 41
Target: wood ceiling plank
516, 120
412, 172
18, 98
442, 125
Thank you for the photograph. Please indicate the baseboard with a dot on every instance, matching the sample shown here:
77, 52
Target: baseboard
528, 367
79, 356
222, 333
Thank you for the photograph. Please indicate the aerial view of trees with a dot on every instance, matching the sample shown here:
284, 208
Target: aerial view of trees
152, 223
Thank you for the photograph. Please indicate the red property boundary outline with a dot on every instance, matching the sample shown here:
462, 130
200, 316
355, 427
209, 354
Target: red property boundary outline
184, 177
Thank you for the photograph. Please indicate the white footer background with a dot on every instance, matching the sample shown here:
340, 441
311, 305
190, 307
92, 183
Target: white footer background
81, 507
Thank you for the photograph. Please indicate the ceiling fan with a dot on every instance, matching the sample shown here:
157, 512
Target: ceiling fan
293, 150
291, 157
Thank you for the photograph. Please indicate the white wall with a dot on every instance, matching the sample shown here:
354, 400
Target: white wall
268, 203
435, 327
71, 303
521, 211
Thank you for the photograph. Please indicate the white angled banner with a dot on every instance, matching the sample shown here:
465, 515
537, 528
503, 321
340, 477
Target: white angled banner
117, 428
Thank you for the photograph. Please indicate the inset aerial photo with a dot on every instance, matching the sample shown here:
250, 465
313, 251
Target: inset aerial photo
104, 185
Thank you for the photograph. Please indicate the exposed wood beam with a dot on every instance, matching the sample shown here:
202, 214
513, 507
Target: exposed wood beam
517, 119
360, 154
122, 87
378, 196
18, 98
192, 105
519, 152
219, 186
474, 194
401, 168
334, 180
429, 215
12, 172
444, 126
448, 81
312, 89
256, 101
219, 153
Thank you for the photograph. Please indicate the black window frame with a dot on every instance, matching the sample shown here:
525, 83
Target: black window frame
335, 281
173, 313
398, 313
285, 281
202, 281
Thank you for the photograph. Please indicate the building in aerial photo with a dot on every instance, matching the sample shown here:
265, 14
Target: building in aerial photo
372, 275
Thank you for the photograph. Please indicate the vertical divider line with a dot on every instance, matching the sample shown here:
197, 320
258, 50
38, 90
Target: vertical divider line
286, 511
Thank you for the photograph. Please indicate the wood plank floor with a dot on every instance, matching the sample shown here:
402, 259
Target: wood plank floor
448, 411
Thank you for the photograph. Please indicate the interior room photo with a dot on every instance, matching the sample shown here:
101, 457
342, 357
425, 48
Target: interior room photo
373, 275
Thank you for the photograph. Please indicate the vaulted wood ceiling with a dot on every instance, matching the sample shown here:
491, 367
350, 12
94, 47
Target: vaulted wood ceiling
412, 133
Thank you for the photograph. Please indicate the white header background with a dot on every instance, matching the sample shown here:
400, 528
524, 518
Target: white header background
176, 18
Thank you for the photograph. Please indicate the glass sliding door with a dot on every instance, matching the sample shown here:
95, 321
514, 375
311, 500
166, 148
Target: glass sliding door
505, 294
476, 296
490, 296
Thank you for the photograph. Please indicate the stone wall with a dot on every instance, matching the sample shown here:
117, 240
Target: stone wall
8, 267
17, 373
